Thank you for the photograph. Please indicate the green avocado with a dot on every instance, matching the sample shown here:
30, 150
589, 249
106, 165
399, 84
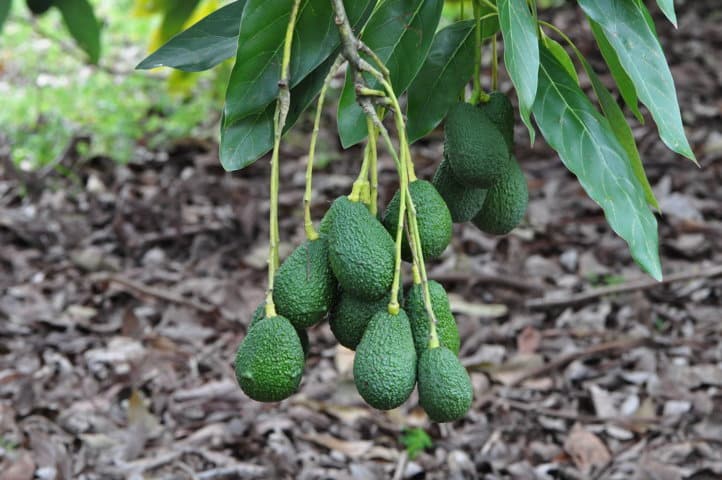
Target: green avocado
361, 251
475, 148
445, 390
304, 285
446, 328
384, 368
432, 216
501, 113
505, 203
269, 361
260, 313
38, 7
463, 202
351, 315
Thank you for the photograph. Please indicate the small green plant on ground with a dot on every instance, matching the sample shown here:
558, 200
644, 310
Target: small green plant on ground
287, 51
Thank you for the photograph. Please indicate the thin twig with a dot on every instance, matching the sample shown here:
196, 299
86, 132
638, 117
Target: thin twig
558, 300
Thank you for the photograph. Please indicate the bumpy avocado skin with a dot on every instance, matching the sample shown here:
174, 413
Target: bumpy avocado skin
463, 202
446, 328
501, 113
475, 148
445, 390
269, 361
505, 204
384, 368
260, 313
304, 286
350, 317
432, 216
361, 251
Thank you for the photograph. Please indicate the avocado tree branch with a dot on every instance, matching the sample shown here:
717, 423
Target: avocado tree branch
279, 121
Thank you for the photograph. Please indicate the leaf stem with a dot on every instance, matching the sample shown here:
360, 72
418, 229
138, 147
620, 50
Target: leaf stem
279, 120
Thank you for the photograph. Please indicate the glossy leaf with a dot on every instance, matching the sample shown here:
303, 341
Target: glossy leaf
624, 83
625, 25
589, 149
203, 45
80, 20
667, 7
4, 12
243, 142
174, 17
521, 53
436, 88
562, 57
400, 32
621, 130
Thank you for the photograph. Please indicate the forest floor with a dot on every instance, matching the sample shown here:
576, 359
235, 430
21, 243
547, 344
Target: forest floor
125, 290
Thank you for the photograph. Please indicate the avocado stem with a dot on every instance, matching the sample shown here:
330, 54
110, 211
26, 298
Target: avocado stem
311, 232
373, 165
279, 120
477, 94
494, 64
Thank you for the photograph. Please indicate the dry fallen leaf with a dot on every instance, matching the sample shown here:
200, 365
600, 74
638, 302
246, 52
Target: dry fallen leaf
21, 467
350, 448
586, 449
528, 340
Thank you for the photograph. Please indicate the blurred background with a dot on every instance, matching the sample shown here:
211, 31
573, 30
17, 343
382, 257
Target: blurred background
130, 264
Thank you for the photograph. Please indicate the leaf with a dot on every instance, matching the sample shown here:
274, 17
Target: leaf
254, 80
203, 45
243, 142
624, 83
621, 130
253, 86
588, 148
521, 53
174, 17
625, 25
415, 440
80, 19
4, 12
562, 57
667, 7
448, 67
400, 32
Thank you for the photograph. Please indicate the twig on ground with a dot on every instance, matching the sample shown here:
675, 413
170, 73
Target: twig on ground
568, 300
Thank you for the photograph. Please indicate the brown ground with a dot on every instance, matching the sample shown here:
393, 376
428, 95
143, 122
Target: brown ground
125, 291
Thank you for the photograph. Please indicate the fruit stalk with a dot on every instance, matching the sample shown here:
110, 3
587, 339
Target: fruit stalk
477, 94
373, 167
311, 232
282, 105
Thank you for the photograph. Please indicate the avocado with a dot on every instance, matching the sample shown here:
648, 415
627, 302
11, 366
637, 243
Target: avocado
269, 361
446, 328
475, 148
505, 203
38, 7
361, 251
445, 390
350, 316
260, 313
463, 202
324, 227
501, 113
384, 368
304, 285
432, 216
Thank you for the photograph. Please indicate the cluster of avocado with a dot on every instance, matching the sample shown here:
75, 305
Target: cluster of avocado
346, 275
479, 178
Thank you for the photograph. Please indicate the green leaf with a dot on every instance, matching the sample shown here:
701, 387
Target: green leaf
521, 53
415, 440
641, 55
562, 57
400, 33
243, 142
588, 148
253, 85
436, 88
624, 83
176, 14
203, 45
4, 12
667, 7
621, 130
80, 19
